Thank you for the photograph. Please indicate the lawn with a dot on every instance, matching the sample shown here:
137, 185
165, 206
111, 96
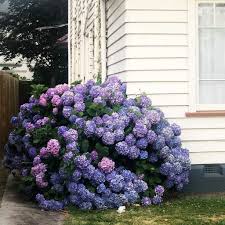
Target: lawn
187, 211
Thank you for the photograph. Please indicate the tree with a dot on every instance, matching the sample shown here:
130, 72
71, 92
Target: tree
19, 36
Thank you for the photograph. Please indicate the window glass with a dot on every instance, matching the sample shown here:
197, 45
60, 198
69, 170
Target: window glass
205, 15
220, 14
211, 53
212, 92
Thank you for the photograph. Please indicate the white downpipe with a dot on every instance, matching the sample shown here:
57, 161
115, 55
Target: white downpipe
103, 39
69, 43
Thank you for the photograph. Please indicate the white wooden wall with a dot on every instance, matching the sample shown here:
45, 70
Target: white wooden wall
84, 35
147, 46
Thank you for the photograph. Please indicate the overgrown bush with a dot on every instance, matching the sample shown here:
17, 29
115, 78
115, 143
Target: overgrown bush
92, 147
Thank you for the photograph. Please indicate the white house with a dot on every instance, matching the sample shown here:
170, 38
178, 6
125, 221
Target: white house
20, 68
173, 50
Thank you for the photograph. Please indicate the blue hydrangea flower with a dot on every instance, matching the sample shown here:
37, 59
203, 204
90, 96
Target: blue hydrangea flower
143, 155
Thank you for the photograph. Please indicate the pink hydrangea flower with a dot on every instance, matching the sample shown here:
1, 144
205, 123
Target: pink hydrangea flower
106, 165
61, 88
39, 168
43, 152
53, 147
43, 100
55, 111
56, 100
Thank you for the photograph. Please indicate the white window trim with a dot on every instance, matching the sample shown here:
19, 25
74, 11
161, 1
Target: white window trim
193, 41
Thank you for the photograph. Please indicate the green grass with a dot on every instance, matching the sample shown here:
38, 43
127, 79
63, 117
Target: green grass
186, 211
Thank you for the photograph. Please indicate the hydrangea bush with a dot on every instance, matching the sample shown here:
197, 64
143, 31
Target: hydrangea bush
90, 146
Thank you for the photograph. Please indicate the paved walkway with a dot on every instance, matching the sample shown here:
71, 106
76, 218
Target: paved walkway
15, 210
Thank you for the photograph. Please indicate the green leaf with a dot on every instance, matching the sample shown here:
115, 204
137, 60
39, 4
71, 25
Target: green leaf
128, 130
116, 108
102, 150
38, 89
76, 82
84, 145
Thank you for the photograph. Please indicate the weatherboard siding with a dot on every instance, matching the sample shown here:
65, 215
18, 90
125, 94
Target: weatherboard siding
84, 33
148, 47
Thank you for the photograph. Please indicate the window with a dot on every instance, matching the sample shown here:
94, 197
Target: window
211, 55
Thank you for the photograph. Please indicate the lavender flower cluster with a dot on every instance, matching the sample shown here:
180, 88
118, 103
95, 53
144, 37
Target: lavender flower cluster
91, 146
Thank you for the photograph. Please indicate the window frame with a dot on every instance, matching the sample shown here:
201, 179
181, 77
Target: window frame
194, 75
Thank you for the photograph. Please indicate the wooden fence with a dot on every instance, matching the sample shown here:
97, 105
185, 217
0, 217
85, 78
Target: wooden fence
9, 103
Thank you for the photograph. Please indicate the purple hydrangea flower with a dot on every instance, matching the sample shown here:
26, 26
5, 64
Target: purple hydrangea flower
79, 106
122, 148
119, 135
108, 138
67, 98
89, 128
81, 161
151, 136
67, 111
146, 201
157, 200
140, 130
176, 129
144, 101
70, 135
159, 190
134, 152
142, 143
94, 155
130, 139
56, 101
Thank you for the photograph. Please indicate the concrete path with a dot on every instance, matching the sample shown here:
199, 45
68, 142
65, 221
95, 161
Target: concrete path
15, 210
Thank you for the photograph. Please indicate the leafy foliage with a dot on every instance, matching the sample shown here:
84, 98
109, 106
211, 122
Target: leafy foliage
19, 36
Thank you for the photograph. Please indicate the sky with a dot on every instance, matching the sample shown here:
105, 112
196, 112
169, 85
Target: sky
4, 6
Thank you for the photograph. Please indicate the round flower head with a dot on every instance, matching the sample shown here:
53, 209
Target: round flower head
61, 88
55, 111
80, 89
134, 152
159, 190
146, 201
43, 100
53, 147
94, 155
79, 106
108, 138
143, 155
122, 148
142, 143
106, 165
70, 135
67, 98
140, 130
144, 101
176, 129
56, 100
130, 139
67, 111
153, 116
119, 135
